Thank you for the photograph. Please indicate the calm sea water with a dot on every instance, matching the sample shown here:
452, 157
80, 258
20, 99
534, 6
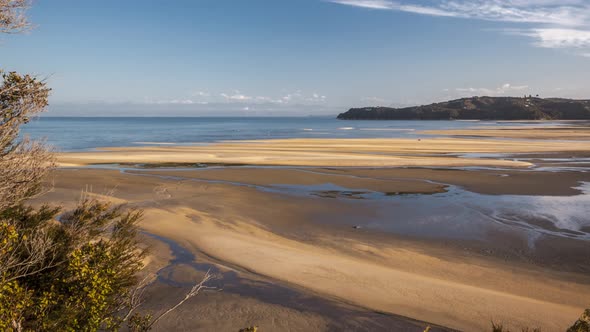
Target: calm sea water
83, 133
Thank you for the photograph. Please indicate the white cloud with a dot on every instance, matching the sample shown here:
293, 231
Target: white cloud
201, 94
293, 98
506, 88
560, 24
557, 12
376, 100
373, 4
171, 101
424, 10
235, 96
558, 38
316, 98
238, 98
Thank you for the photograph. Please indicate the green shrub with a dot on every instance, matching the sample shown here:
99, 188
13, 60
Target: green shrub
77, 274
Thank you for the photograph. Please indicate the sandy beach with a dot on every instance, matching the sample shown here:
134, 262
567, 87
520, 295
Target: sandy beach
433, 152
456, 284
287, 229
577, 133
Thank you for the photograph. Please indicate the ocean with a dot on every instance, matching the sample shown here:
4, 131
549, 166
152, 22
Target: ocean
85, 133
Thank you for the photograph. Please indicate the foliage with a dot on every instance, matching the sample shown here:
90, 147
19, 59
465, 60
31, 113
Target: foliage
501, 328
250, 329
12, 16
23, 163
583, 324
84, 278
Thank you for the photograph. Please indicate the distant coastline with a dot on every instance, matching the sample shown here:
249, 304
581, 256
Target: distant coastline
480, 108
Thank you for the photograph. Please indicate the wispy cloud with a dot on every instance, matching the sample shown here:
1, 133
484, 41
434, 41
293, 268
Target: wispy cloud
561, 24
557, 38
373, 4
376, 101
504, 89
201, 94
237, 97
174, 102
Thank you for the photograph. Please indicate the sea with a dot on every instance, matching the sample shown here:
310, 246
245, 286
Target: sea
87, 133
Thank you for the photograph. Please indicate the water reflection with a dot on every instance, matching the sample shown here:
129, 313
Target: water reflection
464, 214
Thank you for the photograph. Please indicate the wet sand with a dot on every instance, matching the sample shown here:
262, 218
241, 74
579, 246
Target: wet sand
394, 180
493, 182
248, 299
304, 177
278, 242
576, 133
359, 234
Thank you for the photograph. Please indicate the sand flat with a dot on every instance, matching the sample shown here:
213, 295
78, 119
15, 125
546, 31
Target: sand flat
383, 288
303, 177
433, 152
272, 236
555, 133
307, 244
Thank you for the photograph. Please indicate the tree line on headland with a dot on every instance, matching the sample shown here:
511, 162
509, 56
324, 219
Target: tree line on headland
480, 108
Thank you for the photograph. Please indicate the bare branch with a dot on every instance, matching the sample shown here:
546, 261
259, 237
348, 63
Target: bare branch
29, 254
24, 163
194, 291
136, 296
12, 16
22, 172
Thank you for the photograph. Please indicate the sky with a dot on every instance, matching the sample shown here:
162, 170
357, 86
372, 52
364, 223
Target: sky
297, 57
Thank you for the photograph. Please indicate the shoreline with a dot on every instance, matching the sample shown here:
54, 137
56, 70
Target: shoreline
389, 273
400, 227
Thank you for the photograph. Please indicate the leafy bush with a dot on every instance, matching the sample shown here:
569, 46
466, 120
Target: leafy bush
76, 275
583, 324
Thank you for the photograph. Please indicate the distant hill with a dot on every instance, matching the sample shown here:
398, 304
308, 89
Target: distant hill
480, 108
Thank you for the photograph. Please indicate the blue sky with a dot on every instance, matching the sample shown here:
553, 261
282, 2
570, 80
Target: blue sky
258, 57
